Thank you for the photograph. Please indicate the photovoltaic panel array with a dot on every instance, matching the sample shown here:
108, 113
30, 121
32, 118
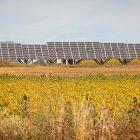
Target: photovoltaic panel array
69, 50
92, 50
74, 50
11, 51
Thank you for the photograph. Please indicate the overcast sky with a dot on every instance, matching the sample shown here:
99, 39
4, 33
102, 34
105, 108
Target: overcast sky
40, 21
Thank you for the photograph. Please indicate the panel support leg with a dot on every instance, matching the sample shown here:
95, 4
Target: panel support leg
20, 61
101, 61
67, 62
79, 61
125, 61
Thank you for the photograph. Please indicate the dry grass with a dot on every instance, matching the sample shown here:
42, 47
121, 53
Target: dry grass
85, 67
67, 70
71, 124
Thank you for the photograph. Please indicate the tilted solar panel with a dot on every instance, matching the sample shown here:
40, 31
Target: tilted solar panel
12, 52
137, 47
4, 51
25, 51
18, 51
97, 50
52, 51
69, 50
82, 50
45, 51
132, 51
59, 50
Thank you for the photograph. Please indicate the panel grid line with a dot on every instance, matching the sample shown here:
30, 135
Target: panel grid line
111, 50
55, 51
94, 51
15, 50
48, 51
86, 50
63, 50
35, 52
119, 50
8, 50
41, 51
1, 51
128, 51
101, 50
71, 50
28, 51
78, 50
104, 50
135, 50
21, 50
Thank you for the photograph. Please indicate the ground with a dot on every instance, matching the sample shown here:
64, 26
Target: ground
71, 70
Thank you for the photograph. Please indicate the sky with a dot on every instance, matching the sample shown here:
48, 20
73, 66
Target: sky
41, 21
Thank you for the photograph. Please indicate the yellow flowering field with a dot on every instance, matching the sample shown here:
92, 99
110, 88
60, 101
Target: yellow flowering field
69, 107
34, 93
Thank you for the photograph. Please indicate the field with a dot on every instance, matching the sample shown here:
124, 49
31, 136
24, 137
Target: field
70, 102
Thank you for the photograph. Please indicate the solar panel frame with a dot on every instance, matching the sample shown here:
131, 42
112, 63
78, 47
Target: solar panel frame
52, 52
19, 52
67, 50
137, 46
41, 52
103, 51
135, 50
63, 50
59, 50
115, 50
74, 50
38, 52
122, 51
25, 51
82, 50
32, 51
129, 57
97, 50
108, 50
12, 52
78, 50
90, 50
4, 51
45, 52
132, 51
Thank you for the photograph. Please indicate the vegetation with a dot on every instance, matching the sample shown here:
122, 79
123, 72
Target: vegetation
94, 107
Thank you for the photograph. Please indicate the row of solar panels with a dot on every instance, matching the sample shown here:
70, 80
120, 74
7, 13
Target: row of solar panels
69, 50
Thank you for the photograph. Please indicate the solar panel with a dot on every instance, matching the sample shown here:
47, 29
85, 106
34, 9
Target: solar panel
74, 50
45, 51
132, 51
59, 50
12, 52
38, 52
52, 51
18, 50
82, 50
69, 50
137, 47
97, 50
